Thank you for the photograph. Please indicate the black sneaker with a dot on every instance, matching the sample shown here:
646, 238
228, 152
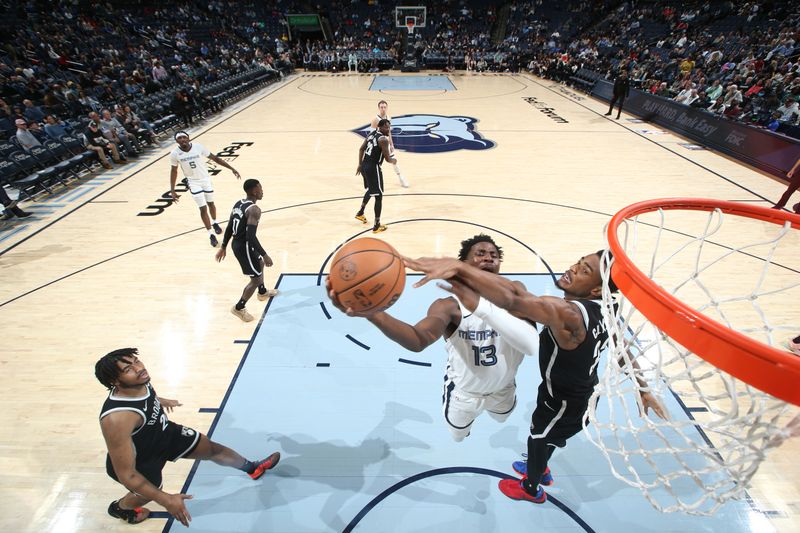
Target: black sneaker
214, 241
217, 229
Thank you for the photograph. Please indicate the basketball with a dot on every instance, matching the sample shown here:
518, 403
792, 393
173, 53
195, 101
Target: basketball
367, 275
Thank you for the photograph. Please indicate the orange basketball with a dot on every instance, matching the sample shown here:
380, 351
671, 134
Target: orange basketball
367, 275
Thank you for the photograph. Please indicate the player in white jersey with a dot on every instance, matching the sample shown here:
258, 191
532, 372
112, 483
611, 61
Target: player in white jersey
383, 113
192, 159
485, 345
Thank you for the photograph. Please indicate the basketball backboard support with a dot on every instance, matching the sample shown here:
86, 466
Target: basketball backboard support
416, 15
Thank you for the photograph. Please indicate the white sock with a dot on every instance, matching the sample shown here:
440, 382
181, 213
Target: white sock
210, 231
214, 221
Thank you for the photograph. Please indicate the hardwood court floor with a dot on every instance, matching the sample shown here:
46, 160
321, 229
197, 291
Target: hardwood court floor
90, 275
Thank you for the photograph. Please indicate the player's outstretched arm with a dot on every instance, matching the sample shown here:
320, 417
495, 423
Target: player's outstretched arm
117, 429
414, 338
218, 160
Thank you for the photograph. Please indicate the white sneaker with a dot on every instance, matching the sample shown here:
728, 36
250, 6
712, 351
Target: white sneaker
269, 294
403, 182
243, 314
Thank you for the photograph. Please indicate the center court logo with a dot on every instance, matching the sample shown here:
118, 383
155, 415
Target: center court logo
433, 133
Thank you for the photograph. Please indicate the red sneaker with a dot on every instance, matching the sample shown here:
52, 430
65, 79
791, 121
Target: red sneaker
514, 490
267, 464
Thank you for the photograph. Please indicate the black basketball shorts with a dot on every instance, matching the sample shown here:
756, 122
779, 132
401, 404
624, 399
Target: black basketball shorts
177, 441
373, 178
248, 258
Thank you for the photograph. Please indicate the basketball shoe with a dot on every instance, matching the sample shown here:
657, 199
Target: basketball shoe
214, 241
513, 489
379, 228
242, 313
267, 464
269, 293
521, 468
216, 227
362, 218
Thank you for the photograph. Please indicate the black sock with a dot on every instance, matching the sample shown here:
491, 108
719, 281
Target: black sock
262, 289
526, 485
378, 208
248, 466
240, 305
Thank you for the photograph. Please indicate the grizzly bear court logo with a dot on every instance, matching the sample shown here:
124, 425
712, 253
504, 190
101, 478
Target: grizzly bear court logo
433, 133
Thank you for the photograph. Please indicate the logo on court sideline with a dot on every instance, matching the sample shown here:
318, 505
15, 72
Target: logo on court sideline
433, 133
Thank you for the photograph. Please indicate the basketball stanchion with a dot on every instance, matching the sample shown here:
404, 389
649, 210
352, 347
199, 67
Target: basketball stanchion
708, 295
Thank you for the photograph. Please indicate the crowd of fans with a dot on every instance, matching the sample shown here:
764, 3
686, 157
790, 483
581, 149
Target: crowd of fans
739, 61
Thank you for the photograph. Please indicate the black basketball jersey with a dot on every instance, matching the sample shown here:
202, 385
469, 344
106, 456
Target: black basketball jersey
573, 373
238, 220
373, 154
148, 438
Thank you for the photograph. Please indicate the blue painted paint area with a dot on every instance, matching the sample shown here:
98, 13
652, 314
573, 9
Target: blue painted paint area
364, 445
412, 83
434, 133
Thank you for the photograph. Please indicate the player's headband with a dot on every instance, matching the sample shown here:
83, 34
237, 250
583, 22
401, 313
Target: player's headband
181, 134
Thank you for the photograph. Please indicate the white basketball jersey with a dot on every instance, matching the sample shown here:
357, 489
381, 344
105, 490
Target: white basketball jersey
387, 117
192, 162
478, 359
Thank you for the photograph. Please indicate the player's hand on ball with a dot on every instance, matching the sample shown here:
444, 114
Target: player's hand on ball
338, 305
220, 255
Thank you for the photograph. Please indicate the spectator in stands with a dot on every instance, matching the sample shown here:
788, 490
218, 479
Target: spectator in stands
115, 131
790, 112
133, 124
36, 130
10, 206
99, 144
32, 112
622, 88
687, 96
352, 62
55, 128
25, 138
714, 91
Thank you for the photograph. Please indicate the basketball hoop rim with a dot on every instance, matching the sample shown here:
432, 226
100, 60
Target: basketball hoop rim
768, 369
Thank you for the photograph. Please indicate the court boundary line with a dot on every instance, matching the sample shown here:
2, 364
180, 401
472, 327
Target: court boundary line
623, 126
315, 202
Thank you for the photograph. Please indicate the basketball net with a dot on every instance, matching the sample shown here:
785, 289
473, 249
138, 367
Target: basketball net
735, 272
410, 24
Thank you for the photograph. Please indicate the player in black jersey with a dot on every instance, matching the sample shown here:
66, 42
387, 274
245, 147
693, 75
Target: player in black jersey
141, 439
569, 349
252, 257
373, 151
